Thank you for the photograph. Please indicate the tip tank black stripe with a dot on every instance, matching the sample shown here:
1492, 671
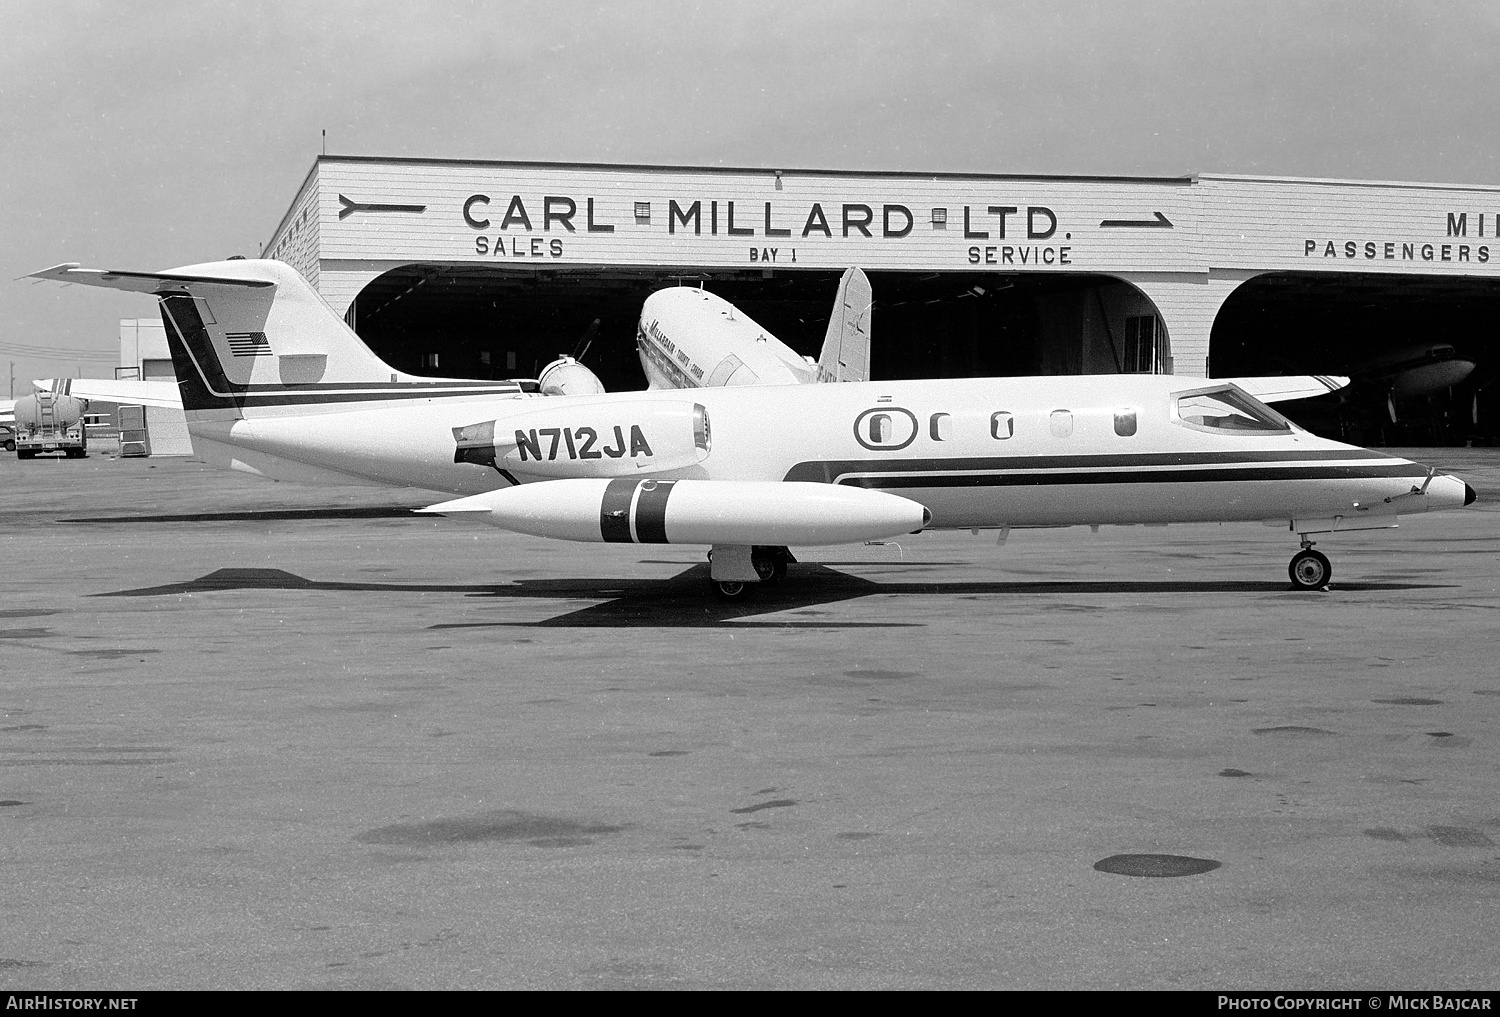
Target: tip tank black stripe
651, 511
614, 510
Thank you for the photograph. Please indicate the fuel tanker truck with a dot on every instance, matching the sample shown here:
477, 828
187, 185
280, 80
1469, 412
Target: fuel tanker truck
50, 422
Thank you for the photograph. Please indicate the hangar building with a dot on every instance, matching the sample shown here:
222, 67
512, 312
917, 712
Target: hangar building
490, 269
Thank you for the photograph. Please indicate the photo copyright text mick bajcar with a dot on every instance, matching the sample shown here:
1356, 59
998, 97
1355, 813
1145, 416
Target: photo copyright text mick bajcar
1387, 1001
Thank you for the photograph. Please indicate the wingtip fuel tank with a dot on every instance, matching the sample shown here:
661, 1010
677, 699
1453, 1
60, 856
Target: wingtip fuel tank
647, 511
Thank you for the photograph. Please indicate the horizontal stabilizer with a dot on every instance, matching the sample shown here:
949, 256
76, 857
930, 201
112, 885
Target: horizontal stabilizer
120, 390
1277, 389
154, 283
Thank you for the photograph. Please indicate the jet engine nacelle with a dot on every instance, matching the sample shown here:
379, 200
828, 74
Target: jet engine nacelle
599, 440
567, 377
46, 409
646, 511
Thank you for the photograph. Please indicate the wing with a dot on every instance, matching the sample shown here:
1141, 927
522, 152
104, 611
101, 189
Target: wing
119, 390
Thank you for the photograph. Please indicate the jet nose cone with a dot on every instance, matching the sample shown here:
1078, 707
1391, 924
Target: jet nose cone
1469, 496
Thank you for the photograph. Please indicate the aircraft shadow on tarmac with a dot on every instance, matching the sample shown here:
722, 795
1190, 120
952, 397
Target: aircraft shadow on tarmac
684, 600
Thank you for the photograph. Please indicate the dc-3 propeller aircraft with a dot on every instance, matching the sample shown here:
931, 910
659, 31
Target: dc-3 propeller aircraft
743, 457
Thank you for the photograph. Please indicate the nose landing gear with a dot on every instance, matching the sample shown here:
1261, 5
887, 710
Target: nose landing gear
1309, 569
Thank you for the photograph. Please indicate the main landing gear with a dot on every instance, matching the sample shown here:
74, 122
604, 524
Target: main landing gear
769, 564
1309, 569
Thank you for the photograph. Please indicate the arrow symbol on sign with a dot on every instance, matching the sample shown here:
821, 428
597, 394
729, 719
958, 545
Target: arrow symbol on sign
1161, 222
349, 207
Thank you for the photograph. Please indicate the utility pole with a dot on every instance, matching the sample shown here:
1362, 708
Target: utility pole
12, 379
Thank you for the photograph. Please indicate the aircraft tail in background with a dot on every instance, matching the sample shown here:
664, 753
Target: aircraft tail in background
846, 345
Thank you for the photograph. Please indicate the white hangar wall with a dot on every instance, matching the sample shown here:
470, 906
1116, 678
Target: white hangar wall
1187, 243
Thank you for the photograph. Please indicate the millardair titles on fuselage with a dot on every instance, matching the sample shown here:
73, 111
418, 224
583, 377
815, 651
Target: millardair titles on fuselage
274, 383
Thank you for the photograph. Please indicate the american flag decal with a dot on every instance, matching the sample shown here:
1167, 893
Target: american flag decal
248, 344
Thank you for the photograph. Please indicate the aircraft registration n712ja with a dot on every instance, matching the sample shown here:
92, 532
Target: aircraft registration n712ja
751, 471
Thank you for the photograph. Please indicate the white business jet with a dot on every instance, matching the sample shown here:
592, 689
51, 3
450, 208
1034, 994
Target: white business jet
274, 383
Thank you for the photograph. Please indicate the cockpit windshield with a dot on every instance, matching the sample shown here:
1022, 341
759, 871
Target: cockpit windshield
1226, 409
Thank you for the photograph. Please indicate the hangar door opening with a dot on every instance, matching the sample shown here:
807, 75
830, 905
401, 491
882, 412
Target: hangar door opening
484, 322
1422, 352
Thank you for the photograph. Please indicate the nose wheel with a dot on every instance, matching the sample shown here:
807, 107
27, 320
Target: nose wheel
1310, 569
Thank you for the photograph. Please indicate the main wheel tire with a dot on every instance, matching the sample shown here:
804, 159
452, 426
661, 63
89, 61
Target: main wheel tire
731, 591
770, 563
1310, 570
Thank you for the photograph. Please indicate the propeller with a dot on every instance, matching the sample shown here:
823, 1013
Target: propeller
586, 340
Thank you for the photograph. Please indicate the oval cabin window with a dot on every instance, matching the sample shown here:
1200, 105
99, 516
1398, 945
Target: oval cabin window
1125, 423
1002, 425
940, 426
1061, 423
886, 429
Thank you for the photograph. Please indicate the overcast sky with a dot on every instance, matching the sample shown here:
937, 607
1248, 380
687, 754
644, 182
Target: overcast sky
147, 135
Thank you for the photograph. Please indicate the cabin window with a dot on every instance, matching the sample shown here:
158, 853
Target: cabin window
887, 428
1125, 423
1002, 425
1061, 423
940, 426
1227, 410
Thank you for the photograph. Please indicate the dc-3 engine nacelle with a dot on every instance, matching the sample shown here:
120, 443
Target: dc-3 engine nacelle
567, 377
602, 440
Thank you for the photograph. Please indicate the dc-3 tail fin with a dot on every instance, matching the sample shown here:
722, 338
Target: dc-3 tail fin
242, 331
846, 345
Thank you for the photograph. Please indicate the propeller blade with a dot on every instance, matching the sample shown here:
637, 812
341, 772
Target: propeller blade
587, 340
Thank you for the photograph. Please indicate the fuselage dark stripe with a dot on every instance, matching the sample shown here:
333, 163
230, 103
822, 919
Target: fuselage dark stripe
1188, 476
260, 388
389, 395
827, 470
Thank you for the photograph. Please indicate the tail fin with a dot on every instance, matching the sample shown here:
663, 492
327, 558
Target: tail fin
255, 334
846, 345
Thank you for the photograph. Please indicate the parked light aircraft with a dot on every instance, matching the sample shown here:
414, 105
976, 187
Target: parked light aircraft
274, 383
690, 338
